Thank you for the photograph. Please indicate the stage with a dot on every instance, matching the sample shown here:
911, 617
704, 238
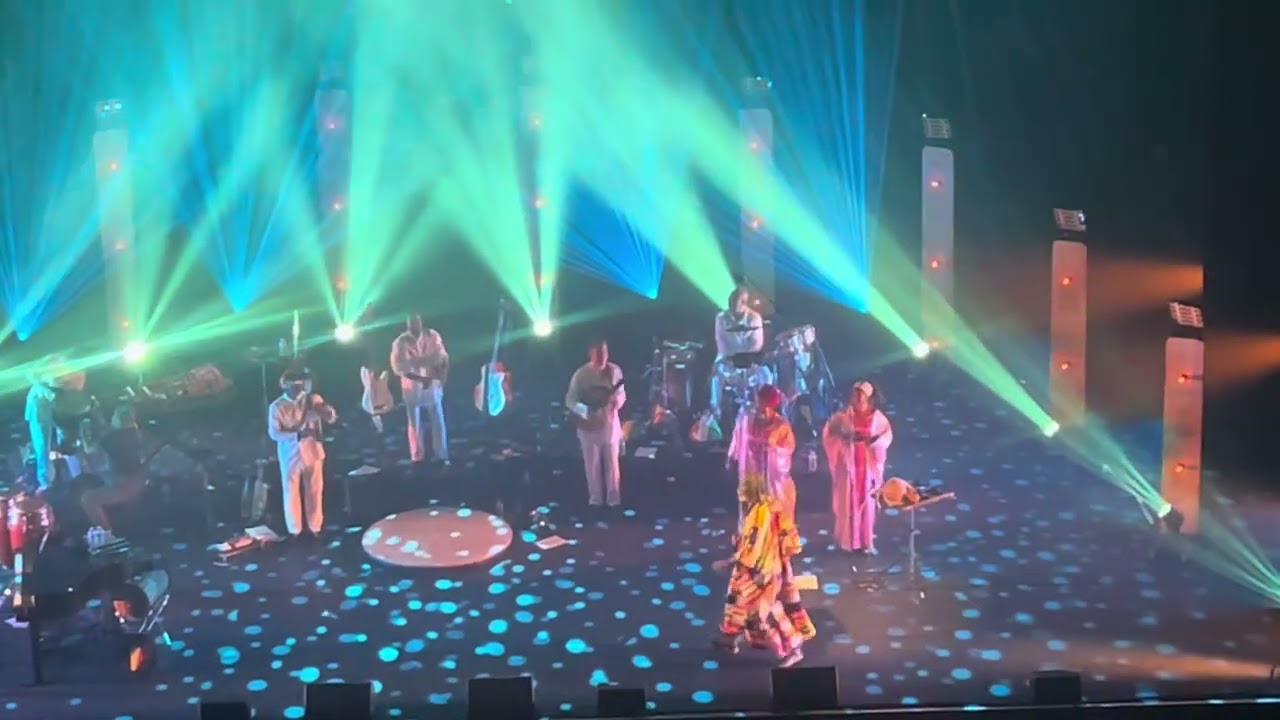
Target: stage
1035, 565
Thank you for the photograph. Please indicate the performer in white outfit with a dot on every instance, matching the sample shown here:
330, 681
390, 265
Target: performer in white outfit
418, 356
595, 396
53, 376
295, 421
739, 329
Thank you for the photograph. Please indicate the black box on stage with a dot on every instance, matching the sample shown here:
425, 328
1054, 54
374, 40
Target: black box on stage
509, 697
801, 689
225, 711
1056, 687
338, 701
17, 654
614, 702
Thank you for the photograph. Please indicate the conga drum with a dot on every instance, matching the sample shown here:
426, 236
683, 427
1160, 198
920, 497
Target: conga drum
28, 519
6, 547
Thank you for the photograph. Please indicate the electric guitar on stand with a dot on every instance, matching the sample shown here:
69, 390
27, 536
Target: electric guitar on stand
493, 393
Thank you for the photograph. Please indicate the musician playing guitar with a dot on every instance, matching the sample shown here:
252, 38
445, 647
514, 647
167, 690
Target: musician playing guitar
419, 357
595, 396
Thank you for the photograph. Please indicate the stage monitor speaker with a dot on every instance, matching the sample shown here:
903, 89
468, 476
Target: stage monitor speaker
338, 701
937, 243
237, 710
1056, 687
614, 702
505, 697
1183, 428
804, 689
1068, 332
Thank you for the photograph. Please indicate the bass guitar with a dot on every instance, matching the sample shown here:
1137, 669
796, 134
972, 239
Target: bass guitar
493, 392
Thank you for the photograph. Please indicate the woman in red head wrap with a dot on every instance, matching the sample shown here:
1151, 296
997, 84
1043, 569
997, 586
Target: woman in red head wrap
762, 602
762, 444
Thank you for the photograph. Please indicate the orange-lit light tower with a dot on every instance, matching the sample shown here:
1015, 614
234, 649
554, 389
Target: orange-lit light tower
755, 120
333, 164
937, 230
115, 216
1068, 319
1180, 474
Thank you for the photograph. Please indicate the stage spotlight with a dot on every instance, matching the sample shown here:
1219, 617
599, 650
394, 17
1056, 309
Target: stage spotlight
1070, 221
344, 333
1050, 429
1169, 520
543, 328
134, 353
921, 350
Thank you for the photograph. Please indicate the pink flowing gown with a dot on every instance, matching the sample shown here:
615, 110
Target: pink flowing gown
857, 470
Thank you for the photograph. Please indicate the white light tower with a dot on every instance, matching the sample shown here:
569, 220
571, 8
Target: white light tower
1180, 475
757, 247
531, 125
333, 161
115, 221
937, 230
1068, 319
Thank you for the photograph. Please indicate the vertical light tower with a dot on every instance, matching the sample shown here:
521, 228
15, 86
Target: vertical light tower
115, 221
937, 231
1180, 474
1068, 319
333, 165
756, 122
531, 121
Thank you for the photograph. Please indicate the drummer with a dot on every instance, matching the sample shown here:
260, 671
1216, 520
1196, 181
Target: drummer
739, 330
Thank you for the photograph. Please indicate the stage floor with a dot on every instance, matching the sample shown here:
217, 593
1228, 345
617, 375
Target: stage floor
1036, 565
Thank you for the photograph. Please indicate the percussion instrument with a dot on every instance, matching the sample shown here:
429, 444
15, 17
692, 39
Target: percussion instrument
28, 518
793, 353
677, 378
796, 340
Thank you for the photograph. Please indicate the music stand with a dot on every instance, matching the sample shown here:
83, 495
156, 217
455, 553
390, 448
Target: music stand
914, 585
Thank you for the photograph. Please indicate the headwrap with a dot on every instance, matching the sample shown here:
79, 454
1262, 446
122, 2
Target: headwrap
865, 388
769, 397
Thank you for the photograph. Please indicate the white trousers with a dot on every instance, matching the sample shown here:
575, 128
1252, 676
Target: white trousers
604, 474
421, 419
41, 443
301, 480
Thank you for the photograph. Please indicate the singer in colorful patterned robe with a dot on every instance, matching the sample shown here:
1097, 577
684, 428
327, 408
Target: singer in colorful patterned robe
762, 602
762, 444
857, 441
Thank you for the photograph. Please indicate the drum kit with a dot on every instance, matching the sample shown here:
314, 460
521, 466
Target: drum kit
793, 362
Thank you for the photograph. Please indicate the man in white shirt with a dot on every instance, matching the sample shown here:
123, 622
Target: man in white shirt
595, 396
739, 329
54, 376
295, 422
418, 356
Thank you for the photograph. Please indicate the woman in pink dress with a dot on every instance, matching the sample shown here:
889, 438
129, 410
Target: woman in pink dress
857, 440
762, 445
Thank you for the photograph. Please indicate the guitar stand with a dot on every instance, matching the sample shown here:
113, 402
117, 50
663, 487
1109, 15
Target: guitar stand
875, 579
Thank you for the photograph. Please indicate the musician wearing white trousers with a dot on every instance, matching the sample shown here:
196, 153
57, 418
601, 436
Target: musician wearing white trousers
595, 396
295, 422
419, 357
739, 330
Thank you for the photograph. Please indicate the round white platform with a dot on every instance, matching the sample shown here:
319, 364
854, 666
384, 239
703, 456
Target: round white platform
437, 538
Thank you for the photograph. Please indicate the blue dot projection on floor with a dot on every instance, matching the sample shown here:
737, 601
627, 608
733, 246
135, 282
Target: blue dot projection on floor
1034, 565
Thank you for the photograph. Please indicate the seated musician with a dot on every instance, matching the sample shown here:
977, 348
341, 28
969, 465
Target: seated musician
125, 477
739, 330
